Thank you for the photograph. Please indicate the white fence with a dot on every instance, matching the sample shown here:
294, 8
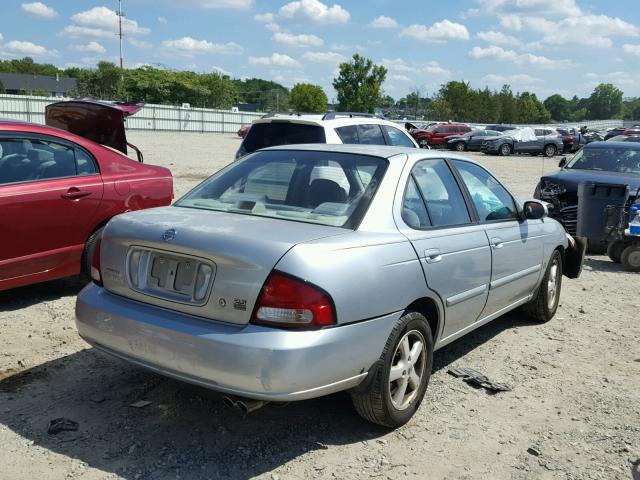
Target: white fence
178, 119
151, 117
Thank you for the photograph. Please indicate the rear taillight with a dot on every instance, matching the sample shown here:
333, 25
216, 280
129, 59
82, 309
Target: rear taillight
95, 263
570, 138
287, 301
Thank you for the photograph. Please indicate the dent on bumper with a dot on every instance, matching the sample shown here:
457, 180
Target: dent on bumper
251, 361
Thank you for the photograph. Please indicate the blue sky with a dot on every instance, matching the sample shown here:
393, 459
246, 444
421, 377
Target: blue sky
544, 46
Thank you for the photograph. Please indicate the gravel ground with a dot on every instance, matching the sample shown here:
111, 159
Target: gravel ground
573, 413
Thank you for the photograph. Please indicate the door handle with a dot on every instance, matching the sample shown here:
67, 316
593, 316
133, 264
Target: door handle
75, 193
496, 242
432, 255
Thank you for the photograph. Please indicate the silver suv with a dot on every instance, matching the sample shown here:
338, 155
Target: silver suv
333, 127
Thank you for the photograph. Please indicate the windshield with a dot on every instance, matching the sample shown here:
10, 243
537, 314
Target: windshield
327, 188
622, 160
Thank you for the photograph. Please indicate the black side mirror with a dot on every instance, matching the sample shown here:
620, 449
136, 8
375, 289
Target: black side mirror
563, 162
534, 210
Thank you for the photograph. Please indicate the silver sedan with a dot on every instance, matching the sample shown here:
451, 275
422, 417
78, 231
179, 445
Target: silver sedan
310, 269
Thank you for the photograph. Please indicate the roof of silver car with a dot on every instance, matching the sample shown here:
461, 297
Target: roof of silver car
383, 151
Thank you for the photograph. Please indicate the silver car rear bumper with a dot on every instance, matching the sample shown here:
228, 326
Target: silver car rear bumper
250, 360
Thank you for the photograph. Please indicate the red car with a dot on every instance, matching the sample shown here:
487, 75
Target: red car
60, 186
243, 131
436, 134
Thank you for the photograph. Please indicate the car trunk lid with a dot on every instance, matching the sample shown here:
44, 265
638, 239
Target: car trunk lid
172, 249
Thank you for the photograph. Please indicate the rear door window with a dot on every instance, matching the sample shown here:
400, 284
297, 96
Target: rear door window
348, 135
438, 186
262, 135
371, 135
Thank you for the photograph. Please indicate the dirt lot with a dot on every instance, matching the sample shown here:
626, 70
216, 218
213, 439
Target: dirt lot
574, 411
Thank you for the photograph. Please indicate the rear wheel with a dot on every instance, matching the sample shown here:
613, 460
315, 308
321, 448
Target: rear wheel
550, 150
505, 150
614, 250
87, 255
630, 259
544, 304
396, 385
461, 147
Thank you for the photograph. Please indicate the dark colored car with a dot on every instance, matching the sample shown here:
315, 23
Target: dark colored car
525, 140
58, 188
572, 139
622, 131
471, 141
607, 162
625, 138
436, 134
501, 127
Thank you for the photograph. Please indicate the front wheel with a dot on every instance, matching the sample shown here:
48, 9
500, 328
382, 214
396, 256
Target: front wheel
423, 143
505, 150
542, 307
460, 147
397, 383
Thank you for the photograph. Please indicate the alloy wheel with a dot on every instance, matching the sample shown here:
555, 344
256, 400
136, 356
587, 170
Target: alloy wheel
552, 284
407, 369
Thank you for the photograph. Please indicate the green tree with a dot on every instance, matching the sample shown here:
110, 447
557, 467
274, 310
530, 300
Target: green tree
2, 90
359, 84
530, 110
461, 100
605, 102
306, 97
507, 105
559, 108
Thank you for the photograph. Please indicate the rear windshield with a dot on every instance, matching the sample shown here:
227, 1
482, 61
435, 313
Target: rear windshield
262, 135
327, 188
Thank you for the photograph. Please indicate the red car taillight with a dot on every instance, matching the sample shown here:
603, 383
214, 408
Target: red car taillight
287, 301
570, 138
95, 263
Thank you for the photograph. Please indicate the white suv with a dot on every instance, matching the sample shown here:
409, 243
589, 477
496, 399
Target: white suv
333, 127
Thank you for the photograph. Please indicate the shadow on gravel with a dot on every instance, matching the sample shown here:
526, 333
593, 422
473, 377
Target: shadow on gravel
602, 264
185, 430
23, 297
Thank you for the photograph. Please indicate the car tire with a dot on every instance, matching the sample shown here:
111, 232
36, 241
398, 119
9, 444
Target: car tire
550, 150
614, 250
542, 307
505, 150
87, 255
423, 143
460, 147
378, 399
630, 259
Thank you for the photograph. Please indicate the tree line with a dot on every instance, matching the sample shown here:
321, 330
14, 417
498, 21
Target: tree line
359, 85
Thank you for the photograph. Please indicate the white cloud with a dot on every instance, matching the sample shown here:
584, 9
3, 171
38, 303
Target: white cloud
631, 49
162, 20
383, 22
532, 7
16, 47
276, 59
220, 70
314, 12
439, 31
498, 38
470, 13
499, 53
343, 47
264, 17
39, 9
139, 43
102, 19
629, 81
75, 31
298, 41
188, 46
432, 68
517, 79
331, 58
228, 4
399, 78
272, 27
93, 47
1, 37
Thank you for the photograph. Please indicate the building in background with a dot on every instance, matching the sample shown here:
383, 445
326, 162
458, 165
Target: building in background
27, 84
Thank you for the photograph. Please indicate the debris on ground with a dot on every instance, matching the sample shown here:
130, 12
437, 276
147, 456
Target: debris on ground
61, 424
478, 380
140, 404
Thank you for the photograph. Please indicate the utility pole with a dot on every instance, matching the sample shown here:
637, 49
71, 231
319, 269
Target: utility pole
120, 33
